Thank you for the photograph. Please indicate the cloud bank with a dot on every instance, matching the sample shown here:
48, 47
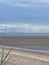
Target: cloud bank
24, 28
25, 2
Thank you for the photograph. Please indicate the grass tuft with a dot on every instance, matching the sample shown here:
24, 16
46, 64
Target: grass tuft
5, 59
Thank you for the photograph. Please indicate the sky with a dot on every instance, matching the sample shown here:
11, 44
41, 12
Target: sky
24, 16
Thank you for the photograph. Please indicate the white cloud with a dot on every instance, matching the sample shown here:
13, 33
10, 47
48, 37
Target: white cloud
27, 28
25, 2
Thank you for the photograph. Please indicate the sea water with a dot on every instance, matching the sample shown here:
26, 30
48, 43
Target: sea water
42, 49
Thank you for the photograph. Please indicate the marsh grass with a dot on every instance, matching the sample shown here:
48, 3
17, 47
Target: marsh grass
5, 59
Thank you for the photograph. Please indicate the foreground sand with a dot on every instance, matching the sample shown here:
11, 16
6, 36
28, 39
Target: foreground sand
21, 57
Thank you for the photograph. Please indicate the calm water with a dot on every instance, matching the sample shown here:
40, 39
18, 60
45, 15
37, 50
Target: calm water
42, 49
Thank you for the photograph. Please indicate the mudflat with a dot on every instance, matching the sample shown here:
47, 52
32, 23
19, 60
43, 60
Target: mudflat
24, 40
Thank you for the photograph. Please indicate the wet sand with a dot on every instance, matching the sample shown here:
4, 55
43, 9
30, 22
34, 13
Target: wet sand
21, 57
24, 40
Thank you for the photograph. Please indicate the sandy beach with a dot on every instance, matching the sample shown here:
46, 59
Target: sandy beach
22, 57
26, 57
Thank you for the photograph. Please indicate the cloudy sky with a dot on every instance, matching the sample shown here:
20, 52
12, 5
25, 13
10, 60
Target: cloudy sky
25, 16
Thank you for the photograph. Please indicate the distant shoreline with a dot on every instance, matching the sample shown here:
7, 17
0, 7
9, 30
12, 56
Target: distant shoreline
24, 34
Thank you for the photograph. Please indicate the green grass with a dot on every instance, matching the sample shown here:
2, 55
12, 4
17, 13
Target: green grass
5, 59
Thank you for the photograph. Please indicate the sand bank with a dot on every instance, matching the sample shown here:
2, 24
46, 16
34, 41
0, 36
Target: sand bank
22, 57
